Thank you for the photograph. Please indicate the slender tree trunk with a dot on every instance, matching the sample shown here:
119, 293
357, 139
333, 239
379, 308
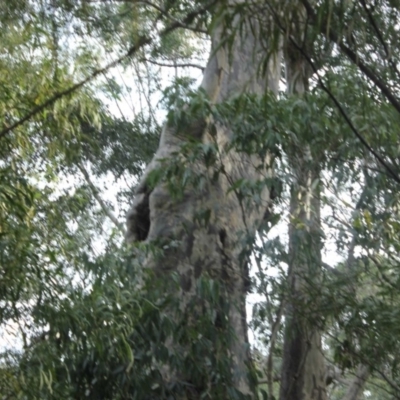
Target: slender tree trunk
303, 370
356, 387
212, 249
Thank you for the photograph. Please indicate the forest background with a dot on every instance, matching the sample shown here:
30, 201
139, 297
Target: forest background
270, 131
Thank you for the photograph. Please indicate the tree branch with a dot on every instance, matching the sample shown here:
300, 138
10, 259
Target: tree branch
356, 387
355, 58
142, 41
380, 37
349, 122
96, 195
179, 65
156, 7
362, 67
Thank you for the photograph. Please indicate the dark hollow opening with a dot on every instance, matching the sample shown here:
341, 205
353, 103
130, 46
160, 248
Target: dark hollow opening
143, 219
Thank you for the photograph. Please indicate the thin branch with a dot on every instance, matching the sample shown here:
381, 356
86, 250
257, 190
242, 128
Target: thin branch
355, 58
389, 381
337, 374
380, 37
156, 7
383, 276
141, 42
180, 24
143, 90
179, 65
369, 363
356, 387
341, 159
345, 116
96, 194
362, 67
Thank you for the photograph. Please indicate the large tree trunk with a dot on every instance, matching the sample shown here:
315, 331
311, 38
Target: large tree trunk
212, 249
303, 369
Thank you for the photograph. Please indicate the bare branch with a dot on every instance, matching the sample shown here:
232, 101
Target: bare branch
96, 194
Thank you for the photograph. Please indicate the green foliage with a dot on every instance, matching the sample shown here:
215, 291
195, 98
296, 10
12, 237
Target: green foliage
115, 146
88, 323
109, 341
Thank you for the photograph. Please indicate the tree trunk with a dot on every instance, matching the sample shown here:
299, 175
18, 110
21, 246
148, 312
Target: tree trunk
303, 370
356, 387
212, 249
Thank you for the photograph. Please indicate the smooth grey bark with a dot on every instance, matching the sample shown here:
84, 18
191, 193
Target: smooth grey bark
215, 249
303, 369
